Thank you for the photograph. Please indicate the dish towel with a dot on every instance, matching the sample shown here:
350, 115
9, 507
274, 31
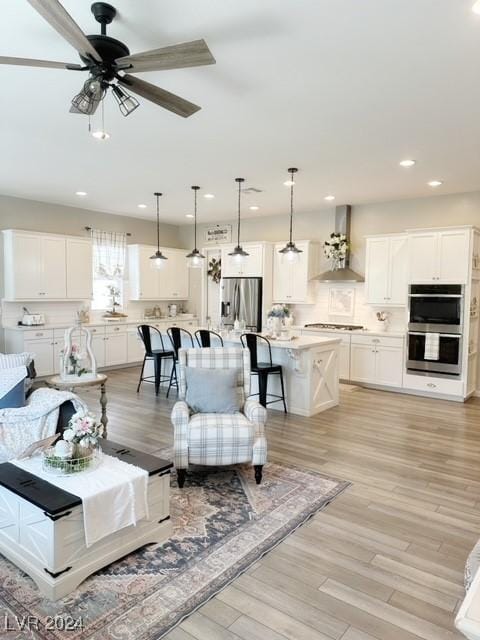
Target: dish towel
114, 495
432, 346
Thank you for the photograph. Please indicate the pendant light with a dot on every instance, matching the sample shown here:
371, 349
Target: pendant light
195, 257
158, 258
290, 251
238, 253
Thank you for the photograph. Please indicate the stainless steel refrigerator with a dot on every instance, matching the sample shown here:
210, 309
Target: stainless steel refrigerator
241, 299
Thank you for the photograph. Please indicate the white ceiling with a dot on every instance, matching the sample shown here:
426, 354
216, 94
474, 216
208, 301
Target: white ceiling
343, 89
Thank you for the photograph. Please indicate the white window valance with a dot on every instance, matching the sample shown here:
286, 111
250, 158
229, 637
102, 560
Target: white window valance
109, 248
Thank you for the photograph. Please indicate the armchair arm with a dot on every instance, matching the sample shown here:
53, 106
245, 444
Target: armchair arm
254, 412
257, 415
180, 418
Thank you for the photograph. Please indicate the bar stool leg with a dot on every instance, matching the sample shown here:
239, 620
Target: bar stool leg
283, 391
141, 373
262, 388
158, 371
173, 374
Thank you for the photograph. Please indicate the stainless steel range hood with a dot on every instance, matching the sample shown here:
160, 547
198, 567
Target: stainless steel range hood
344, 274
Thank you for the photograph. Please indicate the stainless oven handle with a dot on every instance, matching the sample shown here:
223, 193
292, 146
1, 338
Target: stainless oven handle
434, 295
442, 335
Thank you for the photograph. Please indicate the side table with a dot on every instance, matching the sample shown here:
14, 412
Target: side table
56, 382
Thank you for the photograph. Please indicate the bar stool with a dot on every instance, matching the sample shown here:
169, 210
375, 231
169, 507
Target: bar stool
157, 355
263, 369
204, 338
177, 335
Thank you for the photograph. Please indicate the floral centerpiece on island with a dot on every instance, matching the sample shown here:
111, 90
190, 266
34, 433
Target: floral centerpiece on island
336, 249
277, 316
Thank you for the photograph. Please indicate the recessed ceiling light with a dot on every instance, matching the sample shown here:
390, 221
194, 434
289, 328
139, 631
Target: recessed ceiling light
435, 183
407, 163
189, 215
289, 183
80, 193
100, 135
208, 195
329, 198
254, 207
142, 206
476, 7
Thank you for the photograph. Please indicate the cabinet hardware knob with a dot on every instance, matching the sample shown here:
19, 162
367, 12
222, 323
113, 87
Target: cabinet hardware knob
431, 385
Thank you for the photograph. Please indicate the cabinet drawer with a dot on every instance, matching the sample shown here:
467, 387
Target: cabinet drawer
112, 330
33, 334
378, 341
433, 385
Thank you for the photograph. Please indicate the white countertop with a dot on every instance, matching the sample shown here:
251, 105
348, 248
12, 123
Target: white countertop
357, 332
300, 342
98, 323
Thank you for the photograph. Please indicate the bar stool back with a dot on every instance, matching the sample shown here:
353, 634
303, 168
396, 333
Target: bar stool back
263, 369
157, 355
177, 337
204, 338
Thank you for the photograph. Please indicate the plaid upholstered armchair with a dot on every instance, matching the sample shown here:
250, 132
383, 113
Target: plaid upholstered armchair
216, 439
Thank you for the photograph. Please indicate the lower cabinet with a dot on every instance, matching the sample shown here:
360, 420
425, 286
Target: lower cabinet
375, 360
135, 348
43, 349
344, 360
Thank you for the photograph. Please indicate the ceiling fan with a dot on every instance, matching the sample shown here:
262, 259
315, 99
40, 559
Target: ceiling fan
110, 65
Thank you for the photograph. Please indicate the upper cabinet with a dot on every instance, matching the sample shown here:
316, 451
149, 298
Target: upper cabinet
171, 282
386, 270
439, 256
79, 261
292, 282
252, 266
40, 266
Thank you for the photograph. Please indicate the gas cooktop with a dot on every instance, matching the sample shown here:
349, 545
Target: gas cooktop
339, 327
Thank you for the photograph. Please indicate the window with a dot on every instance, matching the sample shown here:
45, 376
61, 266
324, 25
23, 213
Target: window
109, 249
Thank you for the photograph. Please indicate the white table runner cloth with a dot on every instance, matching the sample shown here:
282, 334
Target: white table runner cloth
114, 495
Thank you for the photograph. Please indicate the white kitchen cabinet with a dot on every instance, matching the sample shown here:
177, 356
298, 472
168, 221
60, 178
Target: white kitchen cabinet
43, 352
34, 266
252, 266
174, 276
439, 256
98, 348
292, 282
115, 349
344, 356
171, 282
377, 360
135, 348
386, 270
79, 269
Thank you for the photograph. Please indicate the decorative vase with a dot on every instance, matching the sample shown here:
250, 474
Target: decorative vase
382, 325
275, 326
337, 263
288, 321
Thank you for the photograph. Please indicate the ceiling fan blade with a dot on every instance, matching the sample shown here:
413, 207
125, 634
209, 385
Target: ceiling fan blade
177, 56
159, 96
53, 12
31, 62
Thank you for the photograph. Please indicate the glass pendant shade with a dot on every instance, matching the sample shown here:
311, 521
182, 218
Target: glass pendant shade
158, 259
290, 252
195, 258
239, 254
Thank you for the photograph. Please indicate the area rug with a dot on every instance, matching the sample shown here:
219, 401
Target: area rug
222, 523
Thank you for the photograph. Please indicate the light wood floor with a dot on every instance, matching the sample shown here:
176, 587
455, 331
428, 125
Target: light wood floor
385, 560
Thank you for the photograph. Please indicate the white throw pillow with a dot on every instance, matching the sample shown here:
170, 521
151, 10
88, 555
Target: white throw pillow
10, 360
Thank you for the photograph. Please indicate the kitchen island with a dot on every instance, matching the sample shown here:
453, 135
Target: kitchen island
310, 371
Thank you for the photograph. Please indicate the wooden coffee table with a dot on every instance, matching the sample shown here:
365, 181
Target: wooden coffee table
56, 382
43, 532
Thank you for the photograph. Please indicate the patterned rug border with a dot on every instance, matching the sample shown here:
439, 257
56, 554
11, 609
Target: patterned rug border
248, 562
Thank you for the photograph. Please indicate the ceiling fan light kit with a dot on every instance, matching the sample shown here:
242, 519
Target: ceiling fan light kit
106, 60
290, 252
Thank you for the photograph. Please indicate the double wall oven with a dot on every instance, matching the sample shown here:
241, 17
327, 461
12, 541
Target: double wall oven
435, 329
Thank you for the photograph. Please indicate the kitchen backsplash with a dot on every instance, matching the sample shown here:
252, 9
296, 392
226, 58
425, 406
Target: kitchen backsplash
362, 313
